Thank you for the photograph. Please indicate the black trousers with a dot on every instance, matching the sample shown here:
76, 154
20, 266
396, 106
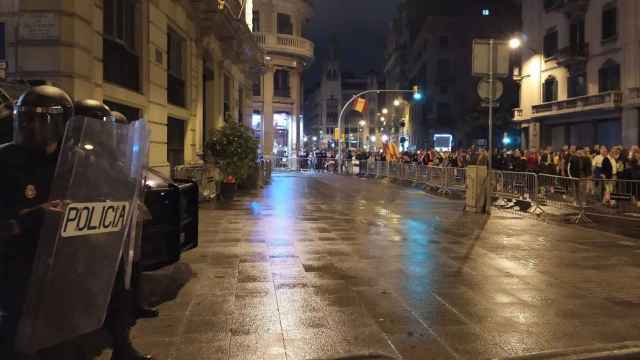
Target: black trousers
121, 316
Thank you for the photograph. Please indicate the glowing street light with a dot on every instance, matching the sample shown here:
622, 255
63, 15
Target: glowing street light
361, 123
306, 139
396, 102
385, 138
373, 138
515, 43
315, 138
381, 118
385, 111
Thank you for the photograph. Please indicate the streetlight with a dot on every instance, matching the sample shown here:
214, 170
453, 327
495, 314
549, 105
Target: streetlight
385, 138
381, 118
373, 138
315, 138
361, 123
515, 43
385, 111
396, 102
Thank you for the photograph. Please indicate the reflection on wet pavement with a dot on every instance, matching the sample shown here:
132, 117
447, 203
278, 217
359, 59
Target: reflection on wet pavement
319, 266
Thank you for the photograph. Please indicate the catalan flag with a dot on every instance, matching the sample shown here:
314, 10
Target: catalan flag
360, 105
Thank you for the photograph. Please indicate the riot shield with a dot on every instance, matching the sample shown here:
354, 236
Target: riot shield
97, 178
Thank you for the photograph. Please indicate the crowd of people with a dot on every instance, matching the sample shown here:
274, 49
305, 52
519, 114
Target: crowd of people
598, 161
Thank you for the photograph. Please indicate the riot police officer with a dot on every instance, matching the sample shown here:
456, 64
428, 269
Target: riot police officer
140, 310
28, 163
120, 316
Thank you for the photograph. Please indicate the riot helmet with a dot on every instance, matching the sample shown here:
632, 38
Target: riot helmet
119, 118
40, 116
92, 109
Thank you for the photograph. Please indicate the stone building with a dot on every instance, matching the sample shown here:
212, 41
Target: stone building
278, 26
580, 77
330, 94
184, 65
430, 45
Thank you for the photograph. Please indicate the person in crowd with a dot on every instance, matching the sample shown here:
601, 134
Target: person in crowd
608, 169
533, 161
546, 161
483, 158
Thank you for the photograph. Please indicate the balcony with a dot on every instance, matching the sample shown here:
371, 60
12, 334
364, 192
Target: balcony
518, 114
572, 55
603, 101
571, 8
286, 44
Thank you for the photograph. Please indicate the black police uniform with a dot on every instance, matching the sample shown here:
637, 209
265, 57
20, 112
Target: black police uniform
120, 315
28, 168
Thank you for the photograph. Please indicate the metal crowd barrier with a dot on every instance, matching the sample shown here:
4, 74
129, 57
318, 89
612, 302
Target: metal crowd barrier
514, 185
203, 175
540, 191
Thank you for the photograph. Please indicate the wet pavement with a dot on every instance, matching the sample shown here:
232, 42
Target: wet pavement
323, 266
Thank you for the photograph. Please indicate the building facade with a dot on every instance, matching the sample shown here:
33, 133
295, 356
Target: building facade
326, 99
185, 66
430, 45
580, 78
277, 95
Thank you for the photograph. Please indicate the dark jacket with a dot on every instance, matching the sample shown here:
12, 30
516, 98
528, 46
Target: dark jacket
574, 167
607, 168
634, 169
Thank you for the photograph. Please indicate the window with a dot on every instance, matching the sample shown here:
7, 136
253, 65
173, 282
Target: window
285, 26
257, 87
444, 69
444, 42
131, 113
609, 76
175, 142
550, 90
3, 42
550, 4
227, 95
609, 22
175, 68
486, 12
576, 35
256, 21
121, 63
577, 85
281, 83
550, 43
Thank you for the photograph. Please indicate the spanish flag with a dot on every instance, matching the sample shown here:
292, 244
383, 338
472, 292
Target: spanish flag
360, 105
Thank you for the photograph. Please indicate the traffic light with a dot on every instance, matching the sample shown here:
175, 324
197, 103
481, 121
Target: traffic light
417, 95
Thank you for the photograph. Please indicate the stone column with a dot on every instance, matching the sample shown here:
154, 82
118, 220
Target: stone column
267, 113
630, 127
295, 121
534, 135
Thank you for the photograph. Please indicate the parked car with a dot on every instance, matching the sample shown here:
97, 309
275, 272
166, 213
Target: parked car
173, 228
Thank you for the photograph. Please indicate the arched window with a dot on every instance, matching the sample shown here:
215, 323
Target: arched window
550, 89
609, 76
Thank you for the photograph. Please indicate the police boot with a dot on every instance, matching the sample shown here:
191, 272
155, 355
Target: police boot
128, 352
143, 312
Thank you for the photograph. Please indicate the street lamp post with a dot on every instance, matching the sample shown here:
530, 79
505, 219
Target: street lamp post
416, 95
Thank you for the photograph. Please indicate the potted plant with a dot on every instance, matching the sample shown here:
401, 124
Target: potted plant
233, 150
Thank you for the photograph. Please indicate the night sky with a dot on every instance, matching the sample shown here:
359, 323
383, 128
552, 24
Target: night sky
361, 27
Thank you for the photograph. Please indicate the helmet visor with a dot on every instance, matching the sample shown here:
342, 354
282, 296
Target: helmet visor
38, 127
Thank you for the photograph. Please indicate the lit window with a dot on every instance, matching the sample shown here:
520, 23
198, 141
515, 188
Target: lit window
486, 12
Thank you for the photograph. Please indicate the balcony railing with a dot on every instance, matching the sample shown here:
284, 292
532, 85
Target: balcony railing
572, 54
287, 44
518, 114
605, 100
568, 6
